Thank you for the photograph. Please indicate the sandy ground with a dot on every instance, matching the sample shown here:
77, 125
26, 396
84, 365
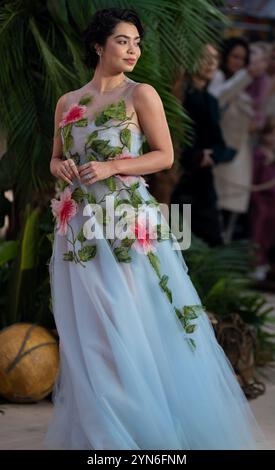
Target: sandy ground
23, 426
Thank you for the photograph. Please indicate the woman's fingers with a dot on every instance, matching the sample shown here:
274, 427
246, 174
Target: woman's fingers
73, 167
86, 178
84, 166
63, 176
87, 168
87, 171
68, 169
91, 180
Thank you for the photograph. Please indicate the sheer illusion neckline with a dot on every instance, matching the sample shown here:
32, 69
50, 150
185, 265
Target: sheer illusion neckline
93, 93
125, 81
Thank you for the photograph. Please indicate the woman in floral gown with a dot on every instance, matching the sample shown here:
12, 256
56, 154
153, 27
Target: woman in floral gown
140, 367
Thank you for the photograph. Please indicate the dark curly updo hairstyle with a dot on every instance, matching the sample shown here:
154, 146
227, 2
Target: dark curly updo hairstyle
102, 26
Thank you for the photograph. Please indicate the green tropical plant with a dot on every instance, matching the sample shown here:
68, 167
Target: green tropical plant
221, 277
23, 272
8, 251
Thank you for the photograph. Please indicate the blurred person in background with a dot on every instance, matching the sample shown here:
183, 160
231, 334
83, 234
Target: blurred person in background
233, 179
260, 86
270, 103
263, 200
196, 185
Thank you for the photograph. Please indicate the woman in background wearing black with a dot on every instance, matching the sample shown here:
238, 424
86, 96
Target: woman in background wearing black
196, 185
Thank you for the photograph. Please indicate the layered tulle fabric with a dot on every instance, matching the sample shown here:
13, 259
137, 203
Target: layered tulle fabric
128, 377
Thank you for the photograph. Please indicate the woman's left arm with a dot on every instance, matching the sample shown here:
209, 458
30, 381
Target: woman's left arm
151, 115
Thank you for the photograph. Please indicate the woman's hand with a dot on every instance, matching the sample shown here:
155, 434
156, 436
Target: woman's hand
207, 159
64, 169
95, 171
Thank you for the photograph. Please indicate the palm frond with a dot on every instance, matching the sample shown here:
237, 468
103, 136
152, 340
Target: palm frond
24, 267
55, 69
8, 251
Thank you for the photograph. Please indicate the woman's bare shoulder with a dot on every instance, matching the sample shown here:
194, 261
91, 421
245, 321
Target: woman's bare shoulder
71, 97
144, 90
145, 95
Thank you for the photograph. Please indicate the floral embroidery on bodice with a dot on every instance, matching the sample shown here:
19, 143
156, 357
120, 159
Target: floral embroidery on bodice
102, 127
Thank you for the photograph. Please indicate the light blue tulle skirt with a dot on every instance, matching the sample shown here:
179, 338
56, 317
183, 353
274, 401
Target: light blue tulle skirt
128, 377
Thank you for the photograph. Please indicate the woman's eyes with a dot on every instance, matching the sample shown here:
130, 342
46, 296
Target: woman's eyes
125, 42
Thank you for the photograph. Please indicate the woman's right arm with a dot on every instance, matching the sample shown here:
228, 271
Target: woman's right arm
64, 169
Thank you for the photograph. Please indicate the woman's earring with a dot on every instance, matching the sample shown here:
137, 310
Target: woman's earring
99, 53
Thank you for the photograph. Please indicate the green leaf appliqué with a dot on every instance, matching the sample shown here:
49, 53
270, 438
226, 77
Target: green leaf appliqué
85, 99
125, 138
67, 137
87, 252
122, 254
112, 111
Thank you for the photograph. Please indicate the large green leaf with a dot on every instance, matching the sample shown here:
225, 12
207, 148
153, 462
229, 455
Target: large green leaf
23, 279
8, 251
29, 254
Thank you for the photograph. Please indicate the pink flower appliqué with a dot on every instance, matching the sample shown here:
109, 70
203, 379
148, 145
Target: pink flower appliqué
74, 113
129, 179
64, 210
146, 237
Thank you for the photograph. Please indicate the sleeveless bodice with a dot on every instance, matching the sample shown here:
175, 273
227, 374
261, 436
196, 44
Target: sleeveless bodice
101, 126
